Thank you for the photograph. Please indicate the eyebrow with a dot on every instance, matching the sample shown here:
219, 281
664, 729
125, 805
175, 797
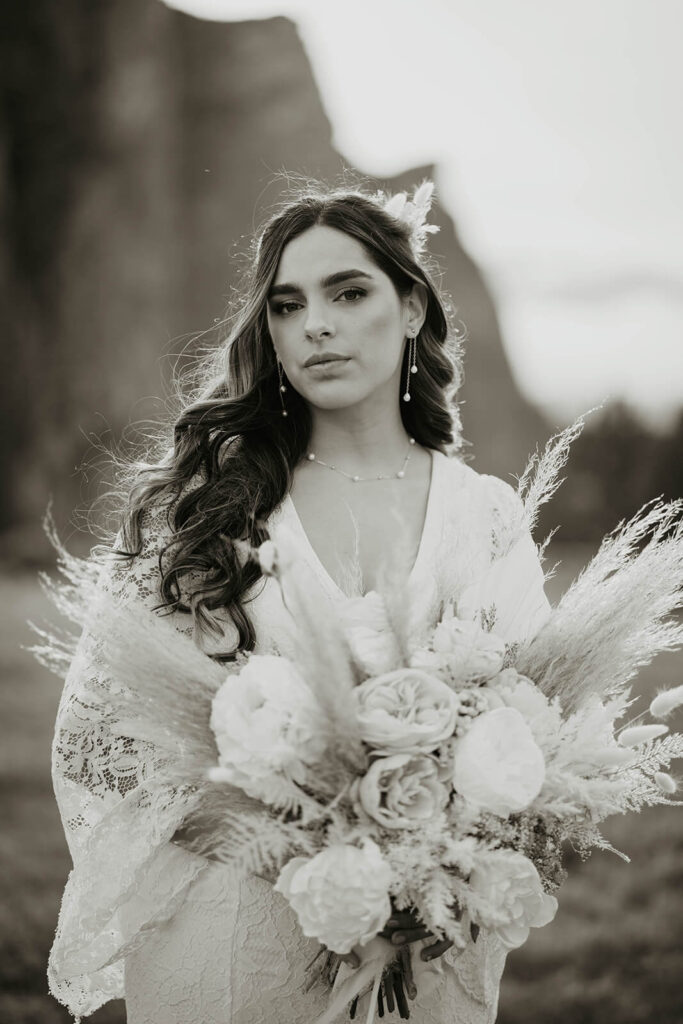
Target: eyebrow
326, 282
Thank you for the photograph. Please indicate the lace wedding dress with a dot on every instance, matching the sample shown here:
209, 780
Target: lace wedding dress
144, 918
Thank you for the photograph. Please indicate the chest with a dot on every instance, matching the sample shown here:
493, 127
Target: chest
354, 530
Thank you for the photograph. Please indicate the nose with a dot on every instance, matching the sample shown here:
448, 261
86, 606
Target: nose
317, 324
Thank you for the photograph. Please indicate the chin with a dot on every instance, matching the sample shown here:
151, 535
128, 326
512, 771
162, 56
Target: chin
333, 395
332, 402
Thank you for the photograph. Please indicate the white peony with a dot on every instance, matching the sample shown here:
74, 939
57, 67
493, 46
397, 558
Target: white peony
470, 652
400, 791
520, 692
509, 883
366, 626
405, 711
341, 895
266, 719
511, 689
498, 764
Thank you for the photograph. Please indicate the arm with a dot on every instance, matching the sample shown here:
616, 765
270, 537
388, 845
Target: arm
127, 877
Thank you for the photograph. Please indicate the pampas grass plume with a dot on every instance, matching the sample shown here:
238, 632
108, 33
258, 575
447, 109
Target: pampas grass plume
665, 702
638, 734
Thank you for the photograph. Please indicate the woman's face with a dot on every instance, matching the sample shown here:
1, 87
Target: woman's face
328, 296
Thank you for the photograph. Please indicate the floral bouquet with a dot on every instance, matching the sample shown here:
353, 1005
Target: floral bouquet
363, 776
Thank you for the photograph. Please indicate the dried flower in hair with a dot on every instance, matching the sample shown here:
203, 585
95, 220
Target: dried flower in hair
412, 212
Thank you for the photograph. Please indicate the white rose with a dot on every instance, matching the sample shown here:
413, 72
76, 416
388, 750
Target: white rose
405, 711
400, 791
369, 633
266, 719
498, 764
509, 882
341, 895
470, 652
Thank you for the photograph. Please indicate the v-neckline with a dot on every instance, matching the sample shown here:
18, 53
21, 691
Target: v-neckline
427, 532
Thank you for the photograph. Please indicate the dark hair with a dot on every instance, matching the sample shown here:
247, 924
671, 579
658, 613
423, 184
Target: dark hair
231, 460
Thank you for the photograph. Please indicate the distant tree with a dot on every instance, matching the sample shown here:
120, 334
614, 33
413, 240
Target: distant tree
668, 469
616, 465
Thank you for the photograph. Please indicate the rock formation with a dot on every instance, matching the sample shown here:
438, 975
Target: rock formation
141, 147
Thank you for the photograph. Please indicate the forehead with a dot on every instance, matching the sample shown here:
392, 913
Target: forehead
318, 251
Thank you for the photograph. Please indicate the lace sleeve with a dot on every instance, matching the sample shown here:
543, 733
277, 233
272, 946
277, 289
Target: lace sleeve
127, 877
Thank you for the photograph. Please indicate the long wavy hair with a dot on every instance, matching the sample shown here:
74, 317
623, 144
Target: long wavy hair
230, 459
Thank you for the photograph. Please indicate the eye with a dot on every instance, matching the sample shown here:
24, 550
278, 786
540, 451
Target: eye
357, 291
280, 307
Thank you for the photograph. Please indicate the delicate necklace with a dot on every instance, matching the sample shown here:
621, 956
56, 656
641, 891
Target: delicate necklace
360, 479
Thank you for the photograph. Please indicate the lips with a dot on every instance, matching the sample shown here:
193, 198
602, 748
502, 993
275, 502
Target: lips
328, 357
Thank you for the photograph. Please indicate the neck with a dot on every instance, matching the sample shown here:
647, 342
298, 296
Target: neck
365, 441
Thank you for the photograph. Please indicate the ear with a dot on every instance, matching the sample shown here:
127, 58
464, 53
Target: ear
415, 306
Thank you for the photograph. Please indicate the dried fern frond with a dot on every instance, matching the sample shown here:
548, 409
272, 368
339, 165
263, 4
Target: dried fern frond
246, 842
658, 754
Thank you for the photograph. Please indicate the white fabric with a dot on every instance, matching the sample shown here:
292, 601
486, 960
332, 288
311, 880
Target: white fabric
143, 916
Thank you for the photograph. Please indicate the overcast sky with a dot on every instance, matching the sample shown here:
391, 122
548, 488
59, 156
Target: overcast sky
557, 133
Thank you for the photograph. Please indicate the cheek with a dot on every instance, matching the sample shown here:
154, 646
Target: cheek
382, 336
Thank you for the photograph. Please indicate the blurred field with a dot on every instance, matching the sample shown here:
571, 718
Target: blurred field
612, 956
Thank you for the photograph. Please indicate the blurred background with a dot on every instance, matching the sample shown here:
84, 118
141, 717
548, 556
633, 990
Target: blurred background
139, 144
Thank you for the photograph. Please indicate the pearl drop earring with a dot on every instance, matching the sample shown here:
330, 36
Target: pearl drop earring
412, 364
283, 387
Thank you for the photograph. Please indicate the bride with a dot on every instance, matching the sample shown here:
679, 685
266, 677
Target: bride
329, 408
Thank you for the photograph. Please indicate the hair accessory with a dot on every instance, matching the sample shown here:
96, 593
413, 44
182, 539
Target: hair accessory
412, 212
283, 387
